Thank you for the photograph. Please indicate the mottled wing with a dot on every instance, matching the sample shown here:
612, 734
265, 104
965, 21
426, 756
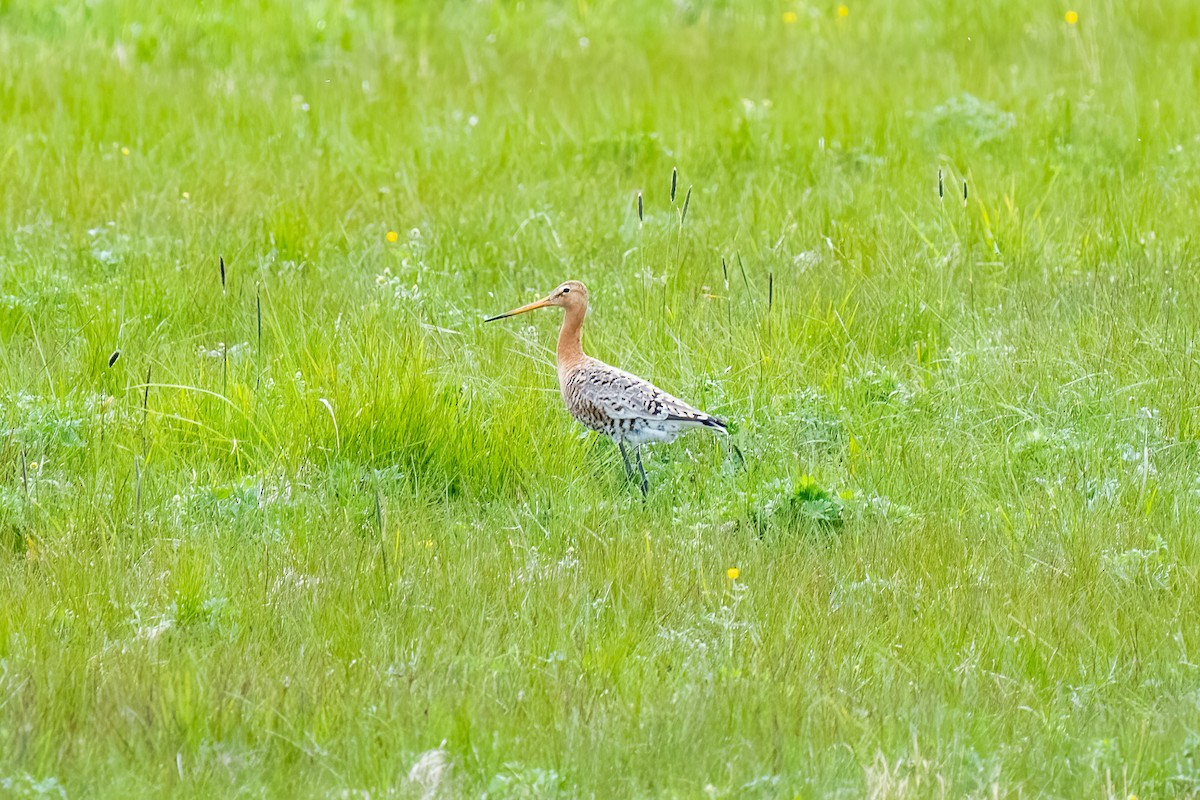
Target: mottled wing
606, 391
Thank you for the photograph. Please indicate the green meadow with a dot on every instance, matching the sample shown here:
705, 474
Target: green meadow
281, 517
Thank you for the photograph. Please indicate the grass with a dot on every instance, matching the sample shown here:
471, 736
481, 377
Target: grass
317, 524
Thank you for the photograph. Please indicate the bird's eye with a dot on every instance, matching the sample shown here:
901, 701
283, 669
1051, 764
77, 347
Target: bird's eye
566, 289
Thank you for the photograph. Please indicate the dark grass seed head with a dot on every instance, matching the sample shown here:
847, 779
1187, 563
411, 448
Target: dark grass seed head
674, 182
641, 217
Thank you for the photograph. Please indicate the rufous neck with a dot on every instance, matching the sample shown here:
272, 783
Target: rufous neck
570, 336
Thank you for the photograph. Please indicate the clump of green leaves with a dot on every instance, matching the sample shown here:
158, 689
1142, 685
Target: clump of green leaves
968, 117
800, 505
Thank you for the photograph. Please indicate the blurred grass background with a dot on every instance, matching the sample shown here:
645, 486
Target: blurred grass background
316, 520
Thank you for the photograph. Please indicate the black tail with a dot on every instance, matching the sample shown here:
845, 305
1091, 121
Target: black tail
703, 419
713, 422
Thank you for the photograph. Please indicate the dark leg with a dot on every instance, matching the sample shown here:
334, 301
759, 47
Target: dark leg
625, 458
737, 450
637, 451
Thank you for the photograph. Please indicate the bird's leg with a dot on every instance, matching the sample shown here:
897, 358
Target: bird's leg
738, 451
625, 458
637, 451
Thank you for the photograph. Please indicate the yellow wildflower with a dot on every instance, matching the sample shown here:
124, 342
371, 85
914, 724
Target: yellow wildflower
843, 11
124, 151
790, 17
393, 237
733, 573
1071, 17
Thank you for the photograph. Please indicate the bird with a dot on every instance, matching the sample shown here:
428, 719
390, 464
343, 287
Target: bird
622, 406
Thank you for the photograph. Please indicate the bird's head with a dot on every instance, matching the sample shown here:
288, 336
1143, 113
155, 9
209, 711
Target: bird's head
569, 295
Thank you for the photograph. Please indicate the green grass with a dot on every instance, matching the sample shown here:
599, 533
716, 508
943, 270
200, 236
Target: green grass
320, 520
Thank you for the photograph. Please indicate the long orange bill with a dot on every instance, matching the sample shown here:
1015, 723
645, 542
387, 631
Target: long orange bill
521, 310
